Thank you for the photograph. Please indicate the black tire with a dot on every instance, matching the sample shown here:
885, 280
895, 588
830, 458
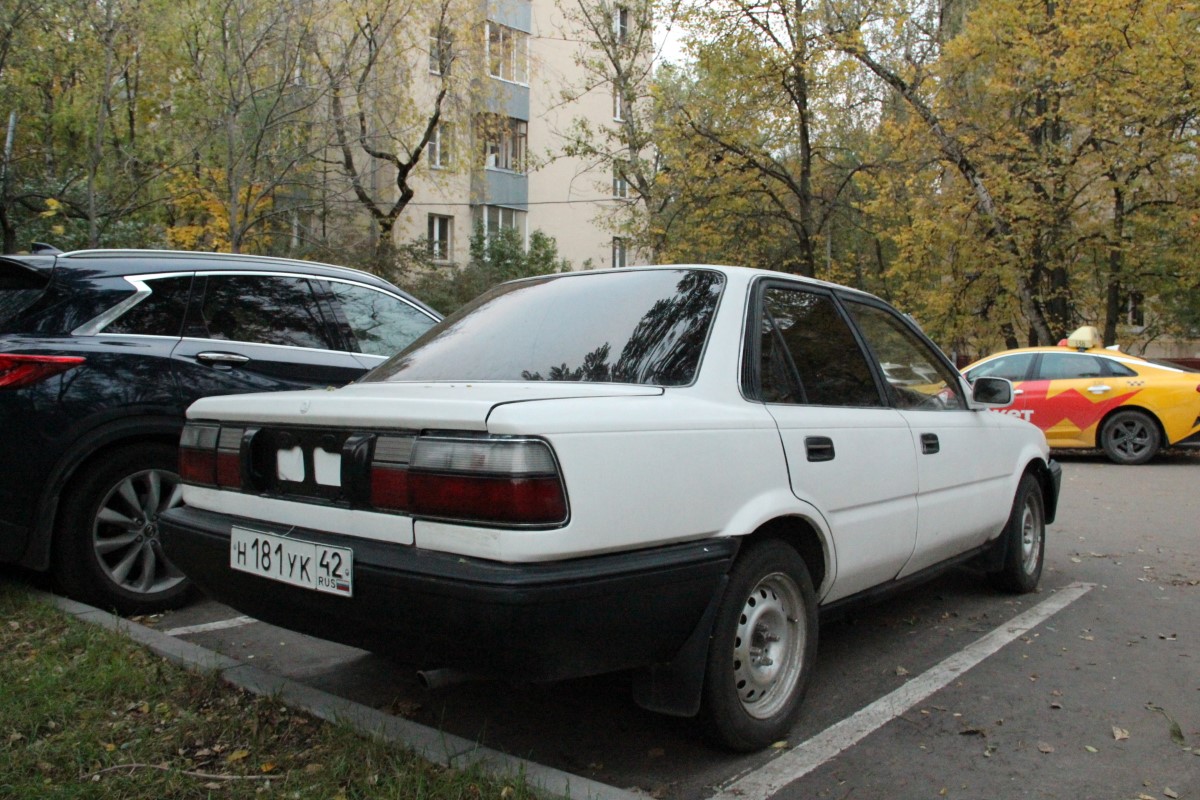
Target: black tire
1025, 541
762, 651
1130, 437
106, 547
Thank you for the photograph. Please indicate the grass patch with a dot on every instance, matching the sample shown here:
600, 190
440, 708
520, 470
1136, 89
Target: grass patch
86, 713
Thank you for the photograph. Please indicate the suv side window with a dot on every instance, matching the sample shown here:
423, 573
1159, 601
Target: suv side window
264, 309
159, 314
381, 324
809, 354
916, 377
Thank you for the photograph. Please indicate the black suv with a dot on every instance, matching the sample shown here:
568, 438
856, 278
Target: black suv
101, 351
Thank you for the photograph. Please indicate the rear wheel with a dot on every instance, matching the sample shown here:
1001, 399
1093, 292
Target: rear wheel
107, 550
763, 648
1130, 437
1025, 547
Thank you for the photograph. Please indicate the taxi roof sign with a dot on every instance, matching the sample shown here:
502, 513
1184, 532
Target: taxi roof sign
1084, 338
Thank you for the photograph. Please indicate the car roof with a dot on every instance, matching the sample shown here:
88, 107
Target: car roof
118, 262
746, 273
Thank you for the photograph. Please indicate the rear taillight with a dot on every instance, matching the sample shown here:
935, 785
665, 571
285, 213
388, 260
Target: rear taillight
210, 455
19, 371
497, 481
507, 481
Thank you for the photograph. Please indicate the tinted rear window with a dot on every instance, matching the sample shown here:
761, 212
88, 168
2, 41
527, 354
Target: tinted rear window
19, 288
636, 326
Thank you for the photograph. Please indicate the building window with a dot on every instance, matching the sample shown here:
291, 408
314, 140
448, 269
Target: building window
620, 104
440, 146
493, 219
1135, 313
621, 24
620, 183
619, 254
508, 52
440, 50
504, 142
441, 241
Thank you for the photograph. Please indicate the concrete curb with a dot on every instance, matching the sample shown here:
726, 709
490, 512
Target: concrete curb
429, 743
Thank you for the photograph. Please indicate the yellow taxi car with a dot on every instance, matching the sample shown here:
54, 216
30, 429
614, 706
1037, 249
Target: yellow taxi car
1083, 395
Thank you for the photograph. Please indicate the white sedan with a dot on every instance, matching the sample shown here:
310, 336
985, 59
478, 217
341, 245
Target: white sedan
663, 469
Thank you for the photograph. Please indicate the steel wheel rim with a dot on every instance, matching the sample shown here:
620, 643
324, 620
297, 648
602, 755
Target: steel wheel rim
125, 532
1131, 438
768, 646
1031, 536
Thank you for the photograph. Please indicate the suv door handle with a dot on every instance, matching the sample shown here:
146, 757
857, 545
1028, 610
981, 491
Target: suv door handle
819, 448
1018, 391
930, 444
216, 357
1099, 389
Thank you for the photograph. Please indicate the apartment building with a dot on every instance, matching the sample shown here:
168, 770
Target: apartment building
516, 174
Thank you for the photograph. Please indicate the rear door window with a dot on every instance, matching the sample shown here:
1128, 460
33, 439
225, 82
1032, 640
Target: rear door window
379, 323
261, 309
809, 354
160, 313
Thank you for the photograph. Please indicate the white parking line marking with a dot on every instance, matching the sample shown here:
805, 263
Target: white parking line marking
804, 758
236, 622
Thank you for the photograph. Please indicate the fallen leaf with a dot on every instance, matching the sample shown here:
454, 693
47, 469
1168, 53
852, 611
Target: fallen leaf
972, 732
237, 755
1120, 733
1169, 792
901, 671
1090, 749
780, 745
1045, 747
268, 766
1056, 705
1176, 732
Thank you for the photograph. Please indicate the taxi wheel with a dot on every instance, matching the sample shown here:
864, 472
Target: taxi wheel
106, 549
1130, 437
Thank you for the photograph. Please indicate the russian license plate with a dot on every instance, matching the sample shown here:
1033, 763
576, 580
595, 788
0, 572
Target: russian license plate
307, 564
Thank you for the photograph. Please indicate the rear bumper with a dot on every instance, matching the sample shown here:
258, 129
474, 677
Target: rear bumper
543, 621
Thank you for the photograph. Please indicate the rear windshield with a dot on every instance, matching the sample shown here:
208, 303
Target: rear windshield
633, 326
19, 288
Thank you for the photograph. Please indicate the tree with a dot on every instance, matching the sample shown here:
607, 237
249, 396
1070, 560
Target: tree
400, 75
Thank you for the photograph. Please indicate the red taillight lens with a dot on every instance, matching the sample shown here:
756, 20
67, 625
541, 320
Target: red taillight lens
510, 501
210, 455
500, 481
18, 371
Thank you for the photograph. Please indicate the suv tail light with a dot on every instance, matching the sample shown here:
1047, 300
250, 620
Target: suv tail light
19, 371
481, 480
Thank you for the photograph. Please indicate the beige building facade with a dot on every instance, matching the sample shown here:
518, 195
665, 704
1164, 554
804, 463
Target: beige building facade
514, 172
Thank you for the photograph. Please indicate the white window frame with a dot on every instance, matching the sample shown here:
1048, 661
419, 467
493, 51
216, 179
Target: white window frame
441, 237
621, 24
620, 182
507, 53
439, 39
620, 252
440, 147
505, 143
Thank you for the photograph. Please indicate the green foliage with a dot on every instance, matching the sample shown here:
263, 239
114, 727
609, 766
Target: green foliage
499, 257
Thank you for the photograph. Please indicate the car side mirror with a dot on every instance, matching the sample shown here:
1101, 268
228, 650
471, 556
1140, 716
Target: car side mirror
992, 392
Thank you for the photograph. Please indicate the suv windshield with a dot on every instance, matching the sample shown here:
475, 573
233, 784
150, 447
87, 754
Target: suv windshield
633, 326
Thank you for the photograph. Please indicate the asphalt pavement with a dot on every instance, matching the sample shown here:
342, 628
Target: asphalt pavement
1089, 688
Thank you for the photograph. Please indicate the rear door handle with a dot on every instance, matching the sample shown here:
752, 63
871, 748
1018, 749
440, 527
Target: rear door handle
1018, 391
930, 443
217, 357
819, 448
1099, 389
